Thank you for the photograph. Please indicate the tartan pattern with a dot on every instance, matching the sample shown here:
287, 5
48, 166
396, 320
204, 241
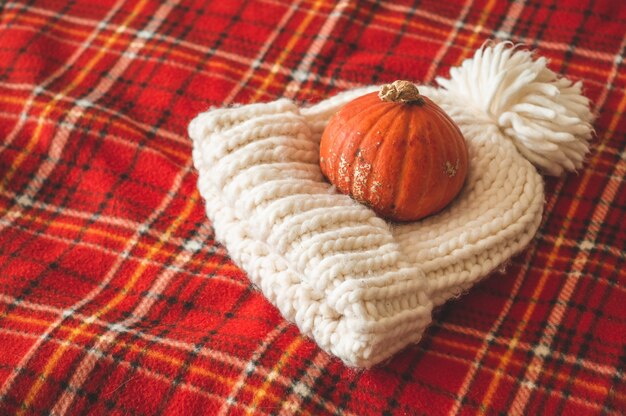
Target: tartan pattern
115, 298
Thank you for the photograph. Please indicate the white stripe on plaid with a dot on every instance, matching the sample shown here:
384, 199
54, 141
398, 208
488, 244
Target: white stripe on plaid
591, 366
195, 47
105, 341
59, 72
510, 20
103, 86
556, 315
257, 63
324, 80
534, 369
302, 73
120, 258
485, 30
124, 141
121, 222
608, 86
466, 362
251, 367
7, 221
235, 362
303, 389
422, 12
103, 355
115, 253
191, 387
132, 122
434, 66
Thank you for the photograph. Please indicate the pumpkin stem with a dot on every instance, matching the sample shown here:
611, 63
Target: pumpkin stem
401, 92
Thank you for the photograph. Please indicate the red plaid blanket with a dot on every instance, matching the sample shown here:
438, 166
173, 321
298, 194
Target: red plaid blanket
114, 296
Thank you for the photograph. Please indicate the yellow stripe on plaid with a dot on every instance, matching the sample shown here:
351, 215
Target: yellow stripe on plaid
22, 156
582, 400
420, 26
598, 389
203, 372
60, 224
553, 256
110, 305
194, 59
184, 156
82, 74
263, 390
288, 49
174, 362
471, 41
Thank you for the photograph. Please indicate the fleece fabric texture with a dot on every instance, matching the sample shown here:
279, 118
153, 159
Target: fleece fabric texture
115, 296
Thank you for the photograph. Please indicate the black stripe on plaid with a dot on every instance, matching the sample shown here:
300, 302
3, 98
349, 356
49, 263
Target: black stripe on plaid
42, 30
549, 385
127, 108
617, 381
108, 197
51, 379
352, 44
578, 34
580, 308
35, 281
380, 67
112, 402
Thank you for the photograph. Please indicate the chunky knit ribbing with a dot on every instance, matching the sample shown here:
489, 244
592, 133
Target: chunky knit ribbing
361, 287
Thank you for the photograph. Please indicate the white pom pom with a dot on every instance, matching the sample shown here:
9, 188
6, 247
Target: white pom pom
547, 117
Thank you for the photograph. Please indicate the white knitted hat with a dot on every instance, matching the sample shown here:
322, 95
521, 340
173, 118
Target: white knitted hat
361, 287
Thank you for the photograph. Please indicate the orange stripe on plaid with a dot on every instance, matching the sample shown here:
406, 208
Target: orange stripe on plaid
560, 240
230, 360
109, 235
194, 369
205, 265
193, 58
196, 58
250, 72
314, 49
52, 361
570, 215
137, 125
45, 167
302, 389
394, 7
270, 337
430, 74
50, 119
263, 390
551, 392
162, 377
484, 15
519, 364
285, 53
558, 46
104, 220
591, 366
506, 358
175, 363
598, 215
82, 74
552, 257
421, 27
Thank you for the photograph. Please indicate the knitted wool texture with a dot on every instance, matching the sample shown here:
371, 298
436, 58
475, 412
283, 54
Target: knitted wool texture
361, 287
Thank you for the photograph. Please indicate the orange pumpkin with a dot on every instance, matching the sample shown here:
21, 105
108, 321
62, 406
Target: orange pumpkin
395, 151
